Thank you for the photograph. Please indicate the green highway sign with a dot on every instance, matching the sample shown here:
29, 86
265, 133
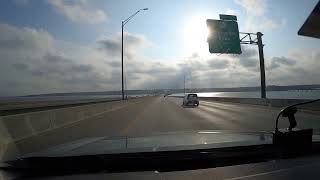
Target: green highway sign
224, 35
227, 17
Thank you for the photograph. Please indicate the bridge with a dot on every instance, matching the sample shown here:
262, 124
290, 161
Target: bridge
33, 131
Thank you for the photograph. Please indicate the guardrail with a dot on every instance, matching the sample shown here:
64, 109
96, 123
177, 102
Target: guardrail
267, 102
264, 102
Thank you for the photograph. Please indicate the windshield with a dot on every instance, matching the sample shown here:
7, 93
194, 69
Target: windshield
72, 70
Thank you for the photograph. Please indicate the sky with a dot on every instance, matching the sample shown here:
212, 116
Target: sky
54, 46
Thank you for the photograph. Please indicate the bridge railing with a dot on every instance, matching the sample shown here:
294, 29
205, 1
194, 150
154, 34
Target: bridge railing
264, 102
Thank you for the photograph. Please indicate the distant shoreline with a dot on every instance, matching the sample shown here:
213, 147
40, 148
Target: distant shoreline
168, 91
164, 91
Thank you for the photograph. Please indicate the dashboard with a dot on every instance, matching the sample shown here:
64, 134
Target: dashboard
298, 168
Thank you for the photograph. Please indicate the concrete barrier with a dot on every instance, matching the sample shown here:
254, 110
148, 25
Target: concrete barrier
8, 149
14, 128
5, 137
24, 125
13, 108
21, 126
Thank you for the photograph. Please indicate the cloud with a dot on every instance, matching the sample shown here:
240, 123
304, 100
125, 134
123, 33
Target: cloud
114, 63
248, 52
303, 68
253, 7
33, 62
195, 55
271, 25
276, 62
248, 62
55, 66
20, 66
231, 12
112, 45
21, 2
249, 58
218, 64
256, 19
77, 11
15, 40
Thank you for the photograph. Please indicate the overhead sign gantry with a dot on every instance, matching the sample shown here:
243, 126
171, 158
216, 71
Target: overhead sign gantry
224, 38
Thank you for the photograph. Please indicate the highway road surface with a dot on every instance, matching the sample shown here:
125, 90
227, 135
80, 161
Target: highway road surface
166, 114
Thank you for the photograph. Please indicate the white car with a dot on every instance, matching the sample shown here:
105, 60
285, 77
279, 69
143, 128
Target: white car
190, 99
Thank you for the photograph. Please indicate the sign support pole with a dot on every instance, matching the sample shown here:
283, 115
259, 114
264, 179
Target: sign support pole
262, 69
247, 39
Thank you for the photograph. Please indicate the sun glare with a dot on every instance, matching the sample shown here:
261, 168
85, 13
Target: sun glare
195, 34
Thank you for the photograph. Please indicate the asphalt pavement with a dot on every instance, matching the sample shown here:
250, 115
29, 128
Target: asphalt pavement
166, 114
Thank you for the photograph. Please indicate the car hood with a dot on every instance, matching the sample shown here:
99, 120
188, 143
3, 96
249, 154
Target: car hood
155, 143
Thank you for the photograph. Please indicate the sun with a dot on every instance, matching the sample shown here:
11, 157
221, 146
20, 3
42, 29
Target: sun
195, 34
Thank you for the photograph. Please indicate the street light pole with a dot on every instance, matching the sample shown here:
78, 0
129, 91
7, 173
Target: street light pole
122, 61
184, 84
122, 26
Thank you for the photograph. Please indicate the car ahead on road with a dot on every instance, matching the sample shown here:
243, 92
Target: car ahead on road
190, 99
